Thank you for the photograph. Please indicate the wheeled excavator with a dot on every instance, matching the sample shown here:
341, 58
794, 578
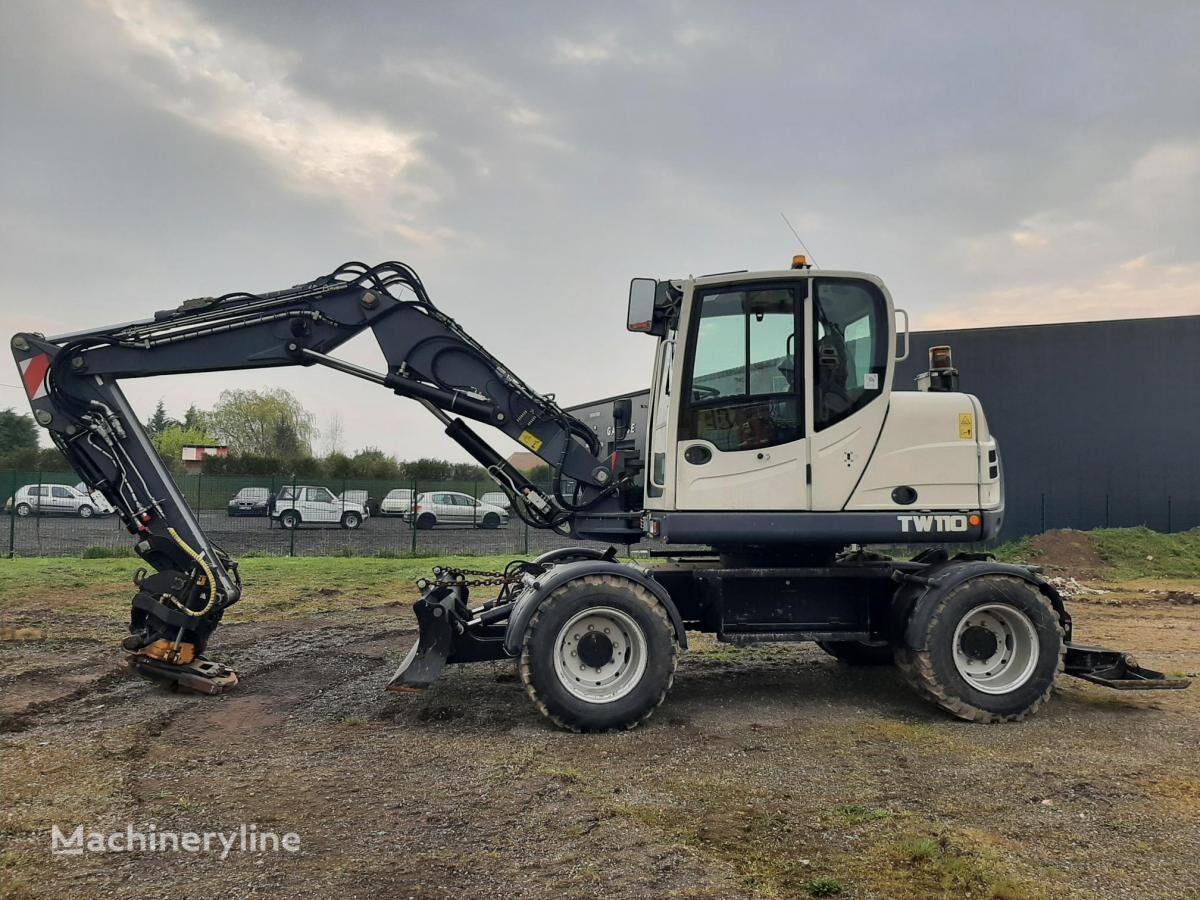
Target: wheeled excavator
778, 451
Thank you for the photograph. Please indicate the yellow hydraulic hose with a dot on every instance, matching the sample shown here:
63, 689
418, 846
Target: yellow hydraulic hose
199, 560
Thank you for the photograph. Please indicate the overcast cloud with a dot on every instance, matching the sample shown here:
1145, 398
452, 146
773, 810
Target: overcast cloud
995, 163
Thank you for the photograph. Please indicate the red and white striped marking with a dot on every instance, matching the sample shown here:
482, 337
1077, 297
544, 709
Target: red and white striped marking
33, 374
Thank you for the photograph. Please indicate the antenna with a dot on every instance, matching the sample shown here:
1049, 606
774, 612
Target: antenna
799, 240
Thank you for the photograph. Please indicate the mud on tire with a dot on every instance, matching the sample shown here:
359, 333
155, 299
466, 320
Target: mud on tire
935, 675
546, 637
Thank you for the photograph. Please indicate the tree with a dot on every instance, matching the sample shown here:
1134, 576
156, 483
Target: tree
17, 432
371, 462
159, 421
194, 419
332, 434
263, 423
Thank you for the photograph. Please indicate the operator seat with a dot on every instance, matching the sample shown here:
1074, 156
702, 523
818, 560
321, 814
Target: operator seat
835, 374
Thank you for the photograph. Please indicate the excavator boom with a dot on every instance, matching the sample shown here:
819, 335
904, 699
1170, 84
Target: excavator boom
73, 384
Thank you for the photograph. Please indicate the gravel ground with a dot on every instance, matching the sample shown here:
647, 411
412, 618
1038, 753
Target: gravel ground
769, 771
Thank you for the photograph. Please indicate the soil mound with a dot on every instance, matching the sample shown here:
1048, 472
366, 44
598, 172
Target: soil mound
1066, 551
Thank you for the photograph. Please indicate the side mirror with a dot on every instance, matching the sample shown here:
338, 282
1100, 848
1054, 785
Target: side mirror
622, 417
642, 292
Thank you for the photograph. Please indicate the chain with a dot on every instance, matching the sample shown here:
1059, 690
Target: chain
489, 579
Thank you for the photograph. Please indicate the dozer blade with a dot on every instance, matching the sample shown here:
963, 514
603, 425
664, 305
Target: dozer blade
435, 641
1117, 670
201, 676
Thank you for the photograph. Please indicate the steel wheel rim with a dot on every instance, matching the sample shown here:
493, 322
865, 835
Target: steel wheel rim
1015, 655
613, 679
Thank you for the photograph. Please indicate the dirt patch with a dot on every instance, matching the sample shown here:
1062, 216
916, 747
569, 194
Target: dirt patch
1066, 551
770, 772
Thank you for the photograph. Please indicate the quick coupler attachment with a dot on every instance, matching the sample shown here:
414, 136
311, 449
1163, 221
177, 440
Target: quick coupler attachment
1117, 670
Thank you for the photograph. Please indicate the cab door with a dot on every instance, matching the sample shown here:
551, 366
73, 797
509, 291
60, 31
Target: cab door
741, 435
850, 380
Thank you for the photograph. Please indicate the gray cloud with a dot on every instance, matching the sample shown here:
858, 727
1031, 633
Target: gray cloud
993, 163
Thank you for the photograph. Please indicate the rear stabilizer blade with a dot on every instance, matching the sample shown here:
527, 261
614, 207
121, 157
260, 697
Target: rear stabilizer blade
1117, 670
435, 641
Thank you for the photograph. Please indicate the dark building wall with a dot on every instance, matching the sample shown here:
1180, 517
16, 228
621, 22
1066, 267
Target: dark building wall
1098, 422
1101, 419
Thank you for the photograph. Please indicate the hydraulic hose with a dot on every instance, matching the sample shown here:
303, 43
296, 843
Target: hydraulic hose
198, 559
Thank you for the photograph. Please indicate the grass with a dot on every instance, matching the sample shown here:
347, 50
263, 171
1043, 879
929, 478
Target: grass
274, 588
1130, 554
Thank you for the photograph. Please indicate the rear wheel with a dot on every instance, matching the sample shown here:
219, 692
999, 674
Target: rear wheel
426, 520
599, 654
860, 653
289, 519
351, 520
992, 647
85, 511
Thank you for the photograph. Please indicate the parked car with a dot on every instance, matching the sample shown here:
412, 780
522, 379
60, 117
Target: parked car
56, 500
396, 503
99, 501
251, 501
311, 504
452, 508
497, 498
363, 499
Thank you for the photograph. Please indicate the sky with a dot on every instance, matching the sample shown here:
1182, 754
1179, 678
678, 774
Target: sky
994, 163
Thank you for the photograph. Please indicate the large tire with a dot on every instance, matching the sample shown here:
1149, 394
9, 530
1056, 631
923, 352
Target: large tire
426, 521
859, 653
993, 646
641, 654
351, 520
289, 519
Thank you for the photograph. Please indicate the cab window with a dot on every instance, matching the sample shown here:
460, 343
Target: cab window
741, 392
850, 356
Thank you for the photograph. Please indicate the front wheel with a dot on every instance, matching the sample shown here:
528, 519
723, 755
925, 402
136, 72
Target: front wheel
599, 654
491, 520
351, 520
85, 511
992, 647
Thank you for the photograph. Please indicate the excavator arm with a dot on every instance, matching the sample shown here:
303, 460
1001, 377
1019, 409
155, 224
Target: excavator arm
73, 384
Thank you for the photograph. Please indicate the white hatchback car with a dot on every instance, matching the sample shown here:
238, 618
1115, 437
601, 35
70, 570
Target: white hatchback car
452, 508
56, 500
396, 503
315, 505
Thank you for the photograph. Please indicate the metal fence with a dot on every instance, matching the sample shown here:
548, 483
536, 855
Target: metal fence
34, 528
37, 530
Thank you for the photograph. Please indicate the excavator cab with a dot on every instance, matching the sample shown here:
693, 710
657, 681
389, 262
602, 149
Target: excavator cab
777, 388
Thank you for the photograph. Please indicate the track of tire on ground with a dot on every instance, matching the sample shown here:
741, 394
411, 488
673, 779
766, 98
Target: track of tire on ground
766, 770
